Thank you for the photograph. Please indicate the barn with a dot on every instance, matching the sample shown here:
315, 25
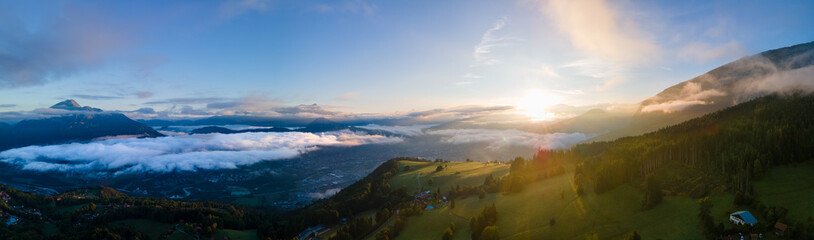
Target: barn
742, 218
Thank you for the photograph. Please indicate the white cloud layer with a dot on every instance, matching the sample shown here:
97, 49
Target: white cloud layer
741, 81
412, 130
180, 153
327, 193
503, 138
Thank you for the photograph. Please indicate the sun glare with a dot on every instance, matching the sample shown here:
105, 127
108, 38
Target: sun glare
535, 105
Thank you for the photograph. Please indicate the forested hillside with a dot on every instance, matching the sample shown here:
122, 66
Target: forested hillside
721, 151
93, 213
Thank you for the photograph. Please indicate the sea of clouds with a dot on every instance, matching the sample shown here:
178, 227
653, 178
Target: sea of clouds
411, 130
502, 138
180, 153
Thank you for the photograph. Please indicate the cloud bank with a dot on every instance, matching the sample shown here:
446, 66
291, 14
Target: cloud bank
327, 193
781, 71
180, 153
412, 130
693, 94
503, 138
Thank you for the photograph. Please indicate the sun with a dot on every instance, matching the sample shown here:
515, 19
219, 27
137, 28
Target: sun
535, 105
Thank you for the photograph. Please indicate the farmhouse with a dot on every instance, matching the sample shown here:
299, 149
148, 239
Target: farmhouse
742, 218
780, 228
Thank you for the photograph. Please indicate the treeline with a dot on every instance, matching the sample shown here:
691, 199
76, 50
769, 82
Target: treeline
543, 165
106, 205
733, 146
484, 225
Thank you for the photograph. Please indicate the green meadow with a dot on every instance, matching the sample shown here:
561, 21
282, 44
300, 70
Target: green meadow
611, 215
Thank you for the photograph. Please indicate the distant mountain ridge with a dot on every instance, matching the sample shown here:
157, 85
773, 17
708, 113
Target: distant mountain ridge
223, 130
779, 70
318, 125
89, 124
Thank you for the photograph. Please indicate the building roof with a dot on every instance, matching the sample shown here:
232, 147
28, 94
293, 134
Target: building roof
780, 226
746, 216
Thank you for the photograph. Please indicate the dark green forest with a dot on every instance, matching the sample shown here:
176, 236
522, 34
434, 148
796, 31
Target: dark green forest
728, 149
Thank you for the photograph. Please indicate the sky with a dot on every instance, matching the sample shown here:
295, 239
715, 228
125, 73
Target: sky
200, 58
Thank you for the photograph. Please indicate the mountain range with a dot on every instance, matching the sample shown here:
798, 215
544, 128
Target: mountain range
782, 70
78, 124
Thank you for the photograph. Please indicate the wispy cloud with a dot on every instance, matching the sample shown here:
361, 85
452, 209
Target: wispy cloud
702, 52
362, 7
548, 70
233, 8
144, 94
594, 68
569, 92
471, 75
189, 100
189, 110
249, 103
610, 74
599, 30
350, 96
489, 41
180, 153
610, 83
95, 97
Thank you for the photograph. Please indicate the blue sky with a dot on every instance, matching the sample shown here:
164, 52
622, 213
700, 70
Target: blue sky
222, 57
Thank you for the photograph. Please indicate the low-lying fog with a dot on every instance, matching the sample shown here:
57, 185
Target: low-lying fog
288, 168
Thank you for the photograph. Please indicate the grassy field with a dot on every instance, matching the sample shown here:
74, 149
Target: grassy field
791, 187
612, 215
460, 173
527, 215
431, 224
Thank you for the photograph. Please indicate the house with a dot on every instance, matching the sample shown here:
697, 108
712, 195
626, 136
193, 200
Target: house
423, 195
742, 218
780, 228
